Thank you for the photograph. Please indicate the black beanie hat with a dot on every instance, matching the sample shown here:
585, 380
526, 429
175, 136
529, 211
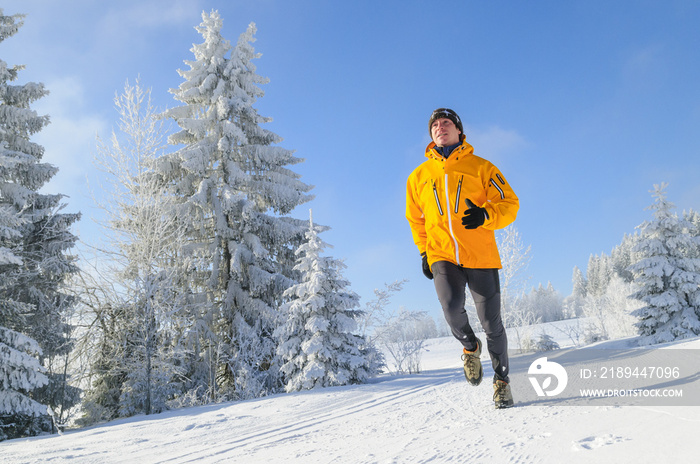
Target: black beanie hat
445, 113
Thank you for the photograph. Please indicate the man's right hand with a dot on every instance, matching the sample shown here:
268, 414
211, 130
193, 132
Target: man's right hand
426, 267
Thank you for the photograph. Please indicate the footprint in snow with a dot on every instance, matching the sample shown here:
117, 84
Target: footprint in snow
591, 443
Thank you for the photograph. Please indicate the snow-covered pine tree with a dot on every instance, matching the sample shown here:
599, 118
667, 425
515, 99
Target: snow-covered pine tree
622, 257
317, 343
545, 342
598, 274
693, 219
667, 274
11, 311
547, 303
236, 192
574, 302
20, 374
603, 298
33, 290
10, 222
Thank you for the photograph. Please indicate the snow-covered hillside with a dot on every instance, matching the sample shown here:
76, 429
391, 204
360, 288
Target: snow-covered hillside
431, 417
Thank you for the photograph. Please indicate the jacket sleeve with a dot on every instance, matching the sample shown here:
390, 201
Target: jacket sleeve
415, 216
502, 204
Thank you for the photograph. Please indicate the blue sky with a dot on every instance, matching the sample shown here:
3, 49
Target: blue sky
582, 105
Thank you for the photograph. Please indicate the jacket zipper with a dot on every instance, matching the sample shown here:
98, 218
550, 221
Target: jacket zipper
449, 219
437, 199
459, 190
500, 190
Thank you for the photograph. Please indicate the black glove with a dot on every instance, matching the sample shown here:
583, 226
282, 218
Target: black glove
426, 267
474, 216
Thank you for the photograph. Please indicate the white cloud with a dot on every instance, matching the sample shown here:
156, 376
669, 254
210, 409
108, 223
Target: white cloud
69, 140
494, 142
491, 142
122, 20
643, 60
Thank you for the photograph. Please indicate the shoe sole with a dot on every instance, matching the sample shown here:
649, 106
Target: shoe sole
504, 405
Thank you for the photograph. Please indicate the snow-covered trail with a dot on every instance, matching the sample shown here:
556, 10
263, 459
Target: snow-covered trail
431, 417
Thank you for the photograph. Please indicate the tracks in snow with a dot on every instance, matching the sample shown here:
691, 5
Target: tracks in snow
376, 400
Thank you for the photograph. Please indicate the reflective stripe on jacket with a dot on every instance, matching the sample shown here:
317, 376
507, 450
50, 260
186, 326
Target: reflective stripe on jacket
435, 203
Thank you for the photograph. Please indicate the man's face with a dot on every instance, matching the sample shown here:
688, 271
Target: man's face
444, 132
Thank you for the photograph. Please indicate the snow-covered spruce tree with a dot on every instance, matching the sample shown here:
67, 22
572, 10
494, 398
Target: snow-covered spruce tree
11, 220
579, 283
693, 220
606, 301
317, 340
598, 274
33, 291
236, 191
545, 302
573, 304
667, 275
10, 311
609, 314
622, 257
20, 373
19, 370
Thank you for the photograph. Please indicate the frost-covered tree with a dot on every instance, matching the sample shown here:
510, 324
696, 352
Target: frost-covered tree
573, 304
20, 374
692, 219
10, 221
376, 313
132, 306
623, 256
35, 239
318, 345
11, 218
402, 337
396, 335
603, 268
9, 232
515, 258
236, 192
607, 301
545, 342
579, 283
545, 302
667, 274
541, 304
598, 274
609, 316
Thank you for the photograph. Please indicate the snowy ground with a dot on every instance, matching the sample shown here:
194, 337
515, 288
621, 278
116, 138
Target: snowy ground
431, 417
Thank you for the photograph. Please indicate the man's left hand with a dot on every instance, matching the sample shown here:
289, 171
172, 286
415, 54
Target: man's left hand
474, 216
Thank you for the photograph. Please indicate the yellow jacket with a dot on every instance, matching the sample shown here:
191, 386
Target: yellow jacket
435, 203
